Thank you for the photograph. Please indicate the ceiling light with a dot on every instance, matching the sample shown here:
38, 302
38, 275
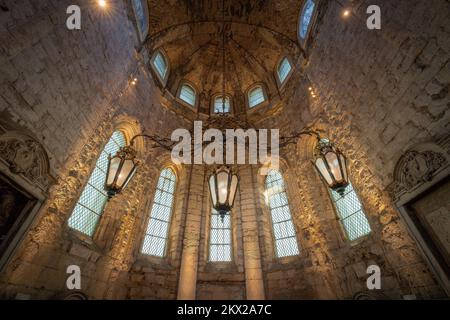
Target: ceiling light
346, 13
102, 3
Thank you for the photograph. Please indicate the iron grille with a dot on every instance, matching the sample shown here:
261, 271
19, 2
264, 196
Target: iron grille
91, 203
155, 238
351, 213
283, 227
220, 238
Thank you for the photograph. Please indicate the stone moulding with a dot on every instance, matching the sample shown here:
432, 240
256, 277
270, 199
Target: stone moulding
417, 166
26, 157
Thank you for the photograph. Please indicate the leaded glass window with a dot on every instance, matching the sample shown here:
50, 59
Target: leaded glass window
160, 64
187, 94
255, 96
283, 227
283, 69
91, 203
140, 15
351, 213
220, 238
220, 107
155, 238
305, 18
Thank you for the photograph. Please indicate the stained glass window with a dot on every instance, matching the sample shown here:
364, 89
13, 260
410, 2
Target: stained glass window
155, 238
283, 227
283, 69
187, 94
351, 213
220, 238
220, 107
305, 18
91, 203
255, 96
160, 64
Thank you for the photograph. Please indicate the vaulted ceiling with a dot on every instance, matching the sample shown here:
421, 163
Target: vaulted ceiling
257, 35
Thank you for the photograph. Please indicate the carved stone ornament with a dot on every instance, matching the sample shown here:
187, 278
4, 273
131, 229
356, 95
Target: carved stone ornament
26, 157
416, 167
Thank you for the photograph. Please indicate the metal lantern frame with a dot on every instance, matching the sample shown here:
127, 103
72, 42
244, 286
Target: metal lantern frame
223, 207
116, 183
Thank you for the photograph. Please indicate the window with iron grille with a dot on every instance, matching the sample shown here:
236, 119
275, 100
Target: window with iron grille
220, 107
283, 227
283, 69
255, 96
187, 94
91, 203
160, 64
155, 238
305, 18
220, 238
351, 213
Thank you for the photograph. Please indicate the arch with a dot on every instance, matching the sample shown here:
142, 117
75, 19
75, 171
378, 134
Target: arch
216, 103
161, 66
306, 21
156, 234
140, 9
187, 94
285, 237
90, 205
26, 157
256, 96
284, 69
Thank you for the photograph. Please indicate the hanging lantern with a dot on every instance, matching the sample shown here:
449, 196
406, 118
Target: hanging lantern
121, 169
332, 166
223, 186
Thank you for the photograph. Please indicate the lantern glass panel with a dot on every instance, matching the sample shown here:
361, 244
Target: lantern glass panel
124, 173
114, 166
233, 187
320, 165
333, 163
222, 184
212, 189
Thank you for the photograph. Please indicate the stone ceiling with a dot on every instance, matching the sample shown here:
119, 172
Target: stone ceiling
258, 34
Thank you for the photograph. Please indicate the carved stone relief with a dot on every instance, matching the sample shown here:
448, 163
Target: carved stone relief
416, 167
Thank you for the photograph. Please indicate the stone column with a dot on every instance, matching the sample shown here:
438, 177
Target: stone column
187, 283
252, 255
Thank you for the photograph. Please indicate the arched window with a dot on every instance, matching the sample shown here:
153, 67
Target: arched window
141, 13
220, 238
220, 107
256, 96
305, 18
155, 238
159, 63
284, 68
187, 94
351, 213
91, 203
283, 227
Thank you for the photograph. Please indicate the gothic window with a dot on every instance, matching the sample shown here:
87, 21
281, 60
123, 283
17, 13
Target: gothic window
160, 65
140, 12
91, 203
283, 227
155, 238
256, 96
220, 107
188, 95
284, 68
351, 213
306, 17
220, 238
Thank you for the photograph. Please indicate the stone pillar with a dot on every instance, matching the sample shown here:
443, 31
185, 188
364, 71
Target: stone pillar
187, 283
252, 255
